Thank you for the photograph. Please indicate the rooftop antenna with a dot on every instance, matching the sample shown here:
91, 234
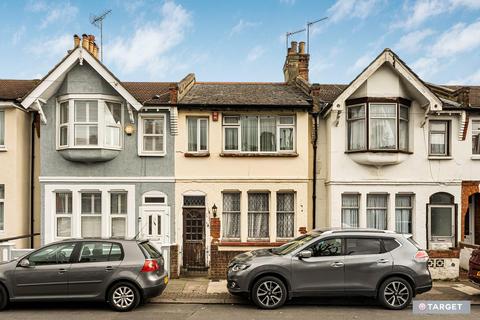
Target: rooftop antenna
288, 34
97, 21
309, 24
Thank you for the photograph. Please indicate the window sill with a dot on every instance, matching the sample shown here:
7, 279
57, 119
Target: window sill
89, 155
378, 158
473, 157
254, 154
250, 243
3, 149
197, 154
152, 154
441, 158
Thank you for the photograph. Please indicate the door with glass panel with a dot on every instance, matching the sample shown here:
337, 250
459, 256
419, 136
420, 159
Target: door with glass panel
194, 232
153, 224
441, 221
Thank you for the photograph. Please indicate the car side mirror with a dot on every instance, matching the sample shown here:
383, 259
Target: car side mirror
24, 263
305, 254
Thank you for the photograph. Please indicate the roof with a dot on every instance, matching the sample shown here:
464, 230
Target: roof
245, 94
330, 92
145, 91
15, 89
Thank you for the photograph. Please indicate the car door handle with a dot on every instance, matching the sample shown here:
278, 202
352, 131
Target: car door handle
62, 271
337, 264
109, 268
382, 261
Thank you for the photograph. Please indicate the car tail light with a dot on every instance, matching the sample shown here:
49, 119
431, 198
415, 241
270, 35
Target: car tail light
150, 266
421, 256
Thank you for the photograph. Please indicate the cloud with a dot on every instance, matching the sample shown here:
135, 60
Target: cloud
361, 63
412, 41
52, 47
343, 9
18, 35
255, 53
288, 2
472, 79
426, 66
52, 12
151, 42
242, 25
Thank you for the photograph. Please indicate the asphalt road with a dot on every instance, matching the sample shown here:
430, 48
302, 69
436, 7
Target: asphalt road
71, 311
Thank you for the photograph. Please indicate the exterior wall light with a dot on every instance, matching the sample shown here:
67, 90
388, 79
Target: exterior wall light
214, 210
129, 129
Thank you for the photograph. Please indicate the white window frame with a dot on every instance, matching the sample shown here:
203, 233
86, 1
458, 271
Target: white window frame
92, 213
410, 208
50, 225
199, 120
101, 123
477, 133
2, 201
239, 213
278, 126
140, 135
365, 125
358, 196
268, 212
2, 129
396, 118
446, 139
386, 208
118, 215
63, 215
154, 194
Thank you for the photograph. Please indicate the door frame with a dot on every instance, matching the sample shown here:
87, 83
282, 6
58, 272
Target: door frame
453, 207
204, 235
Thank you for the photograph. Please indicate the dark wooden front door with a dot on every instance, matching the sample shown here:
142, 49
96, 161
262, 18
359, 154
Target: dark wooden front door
194, 238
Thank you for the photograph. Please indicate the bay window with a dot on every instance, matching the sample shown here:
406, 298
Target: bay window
439, 138
377, 126
152, 135
89, 123
197, 134
259, 134
258, 215
91, 214
63, 214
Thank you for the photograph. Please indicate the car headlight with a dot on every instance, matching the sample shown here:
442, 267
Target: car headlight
239, 267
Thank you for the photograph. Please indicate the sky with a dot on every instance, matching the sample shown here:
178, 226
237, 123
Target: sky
244, 40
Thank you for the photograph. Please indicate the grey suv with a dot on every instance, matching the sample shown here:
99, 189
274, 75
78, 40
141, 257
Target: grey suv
353, 262
120, 272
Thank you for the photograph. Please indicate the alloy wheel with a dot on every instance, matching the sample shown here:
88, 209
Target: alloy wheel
269, 293
123, 297
396, 294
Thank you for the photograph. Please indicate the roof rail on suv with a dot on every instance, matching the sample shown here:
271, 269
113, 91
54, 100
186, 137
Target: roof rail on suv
362, 230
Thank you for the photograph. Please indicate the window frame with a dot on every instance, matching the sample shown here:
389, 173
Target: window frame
278, 127
148, 116
268, 212
199, 120
92, 213
239, 213
277, 212
446, 138
2, 204
3, 124
358, 196
399, 103
118, 215
101, 123
477, 132
410, 208
387, 196
63, 215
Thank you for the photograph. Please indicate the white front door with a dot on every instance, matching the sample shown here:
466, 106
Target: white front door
441, 229
155, 224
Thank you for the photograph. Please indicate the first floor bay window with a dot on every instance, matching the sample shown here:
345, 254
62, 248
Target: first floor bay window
259, 134
63, 213
377, 206
377, 126
89, 123
258, 214
91, 214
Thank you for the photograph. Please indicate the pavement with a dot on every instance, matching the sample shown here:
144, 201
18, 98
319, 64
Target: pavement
204, 291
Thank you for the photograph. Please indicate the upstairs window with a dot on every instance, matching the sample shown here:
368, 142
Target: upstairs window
152, 135
89, 123
377, 127
439, 138
475, 136
197, 134
2, 128
259, 134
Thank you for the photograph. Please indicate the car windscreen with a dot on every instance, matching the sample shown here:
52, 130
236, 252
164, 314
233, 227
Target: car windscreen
295, 243
149, 250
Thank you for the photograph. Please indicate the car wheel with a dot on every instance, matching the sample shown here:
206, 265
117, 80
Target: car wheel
269, 293
3, 298
123, 296
395, 293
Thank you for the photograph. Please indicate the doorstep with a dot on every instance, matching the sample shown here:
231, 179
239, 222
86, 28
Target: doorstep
205, 291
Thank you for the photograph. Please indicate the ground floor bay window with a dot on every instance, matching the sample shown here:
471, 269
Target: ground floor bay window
81, 211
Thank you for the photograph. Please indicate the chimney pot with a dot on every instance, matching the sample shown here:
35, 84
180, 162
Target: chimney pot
301, 48
85, 43
294, 46
90, 44
76, 40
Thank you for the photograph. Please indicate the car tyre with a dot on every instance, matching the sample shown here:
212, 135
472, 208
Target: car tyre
3, 298
395, 293
123, 296
269, 293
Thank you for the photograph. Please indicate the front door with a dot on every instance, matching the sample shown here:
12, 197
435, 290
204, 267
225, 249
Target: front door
323, 272
47, 275
366, 264
194, 238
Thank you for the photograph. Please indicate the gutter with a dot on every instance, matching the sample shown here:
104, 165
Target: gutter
314, 177
32, 183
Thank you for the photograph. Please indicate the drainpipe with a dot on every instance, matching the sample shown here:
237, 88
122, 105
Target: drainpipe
32, 183
314, 189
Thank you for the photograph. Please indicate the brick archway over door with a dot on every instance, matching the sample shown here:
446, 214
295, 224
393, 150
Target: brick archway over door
468, 188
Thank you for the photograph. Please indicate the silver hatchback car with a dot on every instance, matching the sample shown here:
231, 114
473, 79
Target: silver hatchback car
355, 262
120, 272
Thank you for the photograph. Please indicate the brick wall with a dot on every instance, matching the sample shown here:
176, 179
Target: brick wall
215, 228
174, 262
219, 262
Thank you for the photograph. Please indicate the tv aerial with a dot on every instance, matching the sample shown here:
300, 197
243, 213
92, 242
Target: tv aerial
97, 21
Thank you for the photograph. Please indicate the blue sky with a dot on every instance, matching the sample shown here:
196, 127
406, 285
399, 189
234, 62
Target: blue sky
244, 40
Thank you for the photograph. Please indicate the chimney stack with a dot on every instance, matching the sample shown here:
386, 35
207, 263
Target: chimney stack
296, 63
88, 43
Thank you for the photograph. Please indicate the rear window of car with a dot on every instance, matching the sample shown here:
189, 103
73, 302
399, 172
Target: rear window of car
149, 250
390, 244
362, 246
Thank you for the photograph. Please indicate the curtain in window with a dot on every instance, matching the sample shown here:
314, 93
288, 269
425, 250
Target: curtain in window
357, 134
285, 214
258, 212
231, 138
350, 206
203, 134
382, 126
2, 128
64, 227
86, 119
118, 227
286, 139
377, 211
437, 143
249, 133
267, 134
91, 226
231, 215
113, 122
192, 134
403, 214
